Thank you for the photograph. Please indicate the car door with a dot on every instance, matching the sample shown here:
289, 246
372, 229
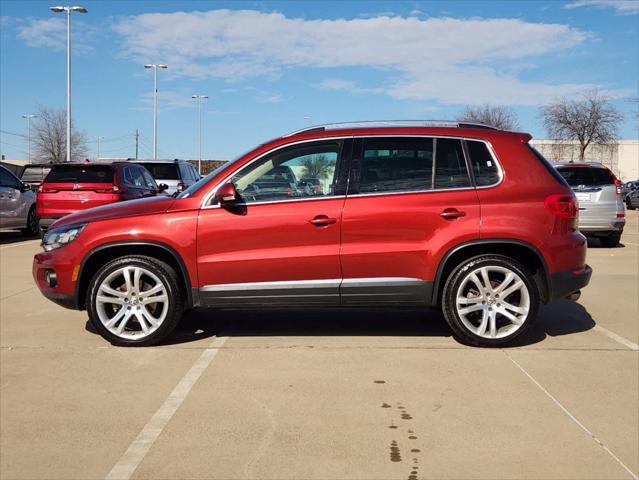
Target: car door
409, 199
13, 204
278, 246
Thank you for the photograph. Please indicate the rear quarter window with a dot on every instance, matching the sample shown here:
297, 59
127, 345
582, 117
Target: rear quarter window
484, 166
80, 174
162, 171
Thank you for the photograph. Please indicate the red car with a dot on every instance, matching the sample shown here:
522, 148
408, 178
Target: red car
459, 216
71, 187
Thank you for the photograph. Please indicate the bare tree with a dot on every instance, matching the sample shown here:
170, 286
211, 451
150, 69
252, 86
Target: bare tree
590, 119
50, 137
499, 116
316, 166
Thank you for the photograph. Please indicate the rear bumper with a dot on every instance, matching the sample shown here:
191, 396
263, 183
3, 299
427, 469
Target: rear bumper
563, 284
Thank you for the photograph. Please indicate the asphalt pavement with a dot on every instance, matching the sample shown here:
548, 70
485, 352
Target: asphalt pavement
323, 394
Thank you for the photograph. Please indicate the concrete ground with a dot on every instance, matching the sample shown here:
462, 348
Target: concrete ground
323, 394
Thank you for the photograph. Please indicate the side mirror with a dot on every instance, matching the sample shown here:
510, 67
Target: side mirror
226, 194
24, 187
162, 187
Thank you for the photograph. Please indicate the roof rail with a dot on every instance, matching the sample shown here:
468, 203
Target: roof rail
390, 123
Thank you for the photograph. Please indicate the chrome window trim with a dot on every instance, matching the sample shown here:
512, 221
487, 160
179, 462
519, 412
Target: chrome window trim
211, 193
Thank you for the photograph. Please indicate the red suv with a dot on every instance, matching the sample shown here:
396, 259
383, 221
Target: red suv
70, 187
459, 216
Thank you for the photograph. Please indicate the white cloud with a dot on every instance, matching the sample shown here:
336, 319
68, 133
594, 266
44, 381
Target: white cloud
623, 7
446, 59
52, 33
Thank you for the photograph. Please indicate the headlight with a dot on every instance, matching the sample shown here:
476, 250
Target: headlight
59, 237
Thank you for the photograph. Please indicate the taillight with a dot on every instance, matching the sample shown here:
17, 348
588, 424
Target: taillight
562, 206
619, 186
113, 189
43, 189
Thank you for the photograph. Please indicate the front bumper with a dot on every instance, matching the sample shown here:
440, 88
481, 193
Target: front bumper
63, 262
562, 284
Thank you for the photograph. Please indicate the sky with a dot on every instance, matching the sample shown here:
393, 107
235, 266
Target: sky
269, 68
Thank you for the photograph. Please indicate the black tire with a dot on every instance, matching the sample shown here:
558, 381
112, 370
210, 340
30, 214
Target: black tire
169, 279
455, 281
33, 223
611, 240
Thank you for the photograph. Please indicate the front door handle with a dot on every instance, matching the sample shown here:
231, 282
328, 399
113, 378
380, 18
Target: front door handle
323, 221
452, 214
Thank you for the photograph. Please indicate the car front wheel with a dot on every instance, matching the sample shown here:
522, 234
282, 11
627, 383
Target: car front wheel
490, 300
134, 301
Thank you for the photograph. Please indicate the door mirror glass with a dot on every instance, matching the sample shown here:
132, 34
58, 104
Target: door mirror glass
226, 194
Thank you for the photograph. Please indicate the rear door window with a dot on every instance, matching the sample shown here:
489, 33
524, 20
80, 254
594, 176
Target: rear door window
482, 163
450, 165
588, 176
80, 174
396, 165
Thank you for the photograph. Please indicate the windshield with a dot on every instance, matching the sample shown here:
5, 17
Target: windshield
587, 176
80, 174
202, 181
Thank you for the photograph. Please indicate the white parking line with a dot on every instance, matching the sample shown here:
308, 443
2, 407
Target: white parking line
573, 418
630, 243
129, 462
617, 338
18, 244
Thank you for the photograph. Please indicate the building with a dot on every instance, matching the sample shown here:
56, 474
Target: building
622, 158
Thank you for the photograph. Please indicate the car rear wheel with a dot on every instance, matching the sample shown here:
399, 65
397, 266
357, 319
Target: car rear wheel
33, 223
490, 300
134, 301
612, 240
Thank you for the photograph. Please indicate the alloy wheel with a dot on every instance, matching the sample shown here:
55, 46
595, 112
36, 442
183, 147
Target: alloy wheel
132, 302
492, 302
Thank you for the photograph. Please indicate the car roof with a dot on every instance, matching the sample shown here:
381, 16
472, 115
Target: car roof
367, 124
177, 160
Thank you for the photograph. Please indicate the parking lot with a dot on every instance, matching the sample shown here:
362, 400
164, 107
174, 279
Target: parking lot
360, 394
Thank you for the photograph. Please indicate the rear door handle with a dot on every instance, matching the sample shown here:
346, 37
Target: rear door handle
323, 221
452, 214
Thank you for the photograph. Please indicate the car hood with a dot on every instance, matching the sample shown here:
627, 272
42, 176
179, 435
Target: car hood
130, 208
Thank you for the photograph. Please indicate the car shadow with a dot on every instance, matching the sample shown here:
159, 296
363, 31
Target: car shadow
10, 237
594, 242
559, 318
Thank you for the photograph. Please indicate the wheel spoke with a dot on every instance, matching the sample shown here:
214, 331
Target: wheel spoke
510, 316
111, 291
481, 330
492, 320
123, 323
149, 318
507, 280
515, 286
120, 313
126, 273
469, 300
484, 275
475, 279
151, 291
513, 308
137, 274
472, 308
140, 317
112, 300
155, 299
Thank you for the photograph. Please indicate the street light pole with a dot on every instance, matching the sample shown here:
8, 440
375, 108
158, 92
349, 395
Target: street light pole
199, 99
29, 116
155, 67
68, 10
98, 155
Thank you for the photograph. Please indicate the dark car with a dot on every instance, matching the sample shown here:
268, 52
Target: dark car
465, 218
71, 187
632, 199
33, 174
